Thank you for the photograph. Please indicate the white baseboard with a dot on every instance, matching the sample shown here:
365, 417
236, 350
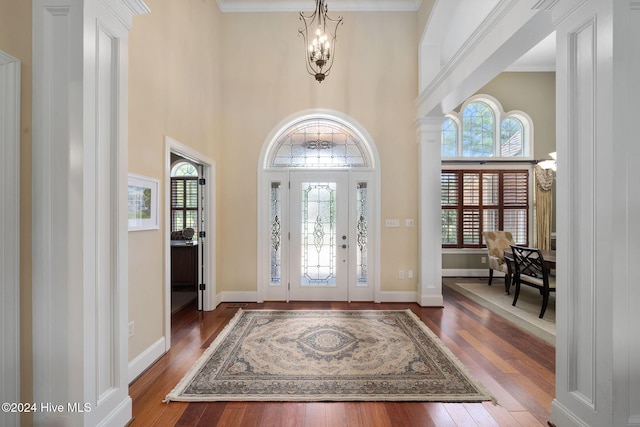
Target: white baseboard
431, 301
400, 296
120, 416
561, 416
470, 272
145, 359
240, 296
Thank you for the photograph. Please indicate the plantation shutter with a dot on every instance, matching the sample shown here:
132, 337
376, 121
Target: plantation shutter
474, 201
450, 199
184, 203
516, 205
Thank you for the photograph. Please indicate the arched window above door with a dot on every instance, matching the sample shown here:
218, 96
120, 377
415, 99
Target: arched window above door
319, 143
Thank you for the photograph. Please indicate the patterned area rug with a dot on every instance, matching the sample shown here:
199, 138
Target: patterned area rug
271, 355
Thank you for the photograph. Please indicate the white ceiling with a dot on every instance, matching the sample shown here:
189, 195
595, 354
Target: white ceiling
309, 5
540, 58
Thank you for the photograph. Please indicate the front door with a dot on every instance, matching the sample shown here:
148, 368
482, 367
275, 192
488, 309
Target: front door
319, 212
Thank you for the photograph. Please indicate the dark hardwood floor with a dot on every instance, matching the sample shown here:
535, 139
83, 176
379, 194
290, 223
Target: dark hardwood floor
516, 367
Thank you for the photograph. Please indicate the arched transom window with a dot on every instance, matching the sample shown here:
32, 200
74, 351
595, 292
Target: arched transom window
319, 143
184, 196
482, 130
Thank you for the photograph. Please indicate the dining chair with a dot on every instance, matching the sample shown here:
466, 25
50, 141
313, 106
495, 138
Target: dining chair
531, 270
497, 242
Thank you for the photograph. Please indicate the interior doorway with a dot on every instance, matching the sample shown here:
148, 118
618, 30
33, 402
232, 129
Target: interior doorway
189, 230
186, 221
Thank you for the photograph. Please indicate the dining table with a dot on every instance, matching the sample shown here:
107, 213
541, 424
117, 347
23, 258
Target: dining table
549, 257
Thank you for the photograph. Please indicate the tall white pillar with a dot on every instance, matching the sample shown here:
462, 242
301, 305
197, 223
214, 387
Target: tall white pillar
80, 290
597, 346
10, 231
430, 244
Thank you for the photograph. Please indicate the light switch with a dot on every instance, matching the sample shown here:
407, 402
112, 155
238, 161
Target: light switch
392, 222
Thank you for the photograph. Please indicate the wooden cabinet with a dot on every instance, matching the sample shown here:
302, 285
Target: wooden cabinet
184, 265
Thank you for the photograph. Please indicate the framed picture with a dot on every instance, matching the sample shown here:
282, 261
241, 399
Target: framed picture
142, 206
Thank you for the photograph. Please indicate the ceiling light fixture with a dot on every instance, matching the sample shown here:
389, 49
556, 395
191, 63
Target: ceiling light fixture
549, 164
320, 43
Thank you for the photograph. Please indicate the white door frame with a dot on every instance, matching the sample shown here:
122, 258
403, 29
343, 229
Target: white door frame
267, 175
209, 298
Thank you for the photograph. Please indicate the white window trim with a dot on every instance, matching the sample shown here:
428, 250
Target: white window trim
500, 116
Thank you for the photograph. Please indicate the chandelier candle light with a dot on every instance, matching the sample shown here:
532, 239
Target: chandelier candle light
319, 40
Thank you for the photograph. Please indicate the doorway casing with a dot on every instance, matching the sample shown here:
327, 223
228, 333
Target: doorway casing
268, 174
208, 273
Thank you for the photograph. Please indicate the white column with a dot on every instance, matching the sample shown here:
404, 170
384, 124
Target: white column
10, 232
80, 289
430, 224
597, 346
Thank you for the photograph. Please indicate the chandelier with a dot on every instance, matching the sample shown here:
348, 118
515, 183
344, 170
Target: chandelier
319, 40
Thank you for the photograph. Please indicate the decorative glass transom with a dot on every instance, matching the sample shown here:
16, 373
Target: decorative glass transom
319, 143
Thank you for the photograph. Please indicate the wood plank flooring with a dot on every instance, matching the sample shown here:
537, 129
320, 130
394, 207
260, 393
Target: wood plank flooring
516, 367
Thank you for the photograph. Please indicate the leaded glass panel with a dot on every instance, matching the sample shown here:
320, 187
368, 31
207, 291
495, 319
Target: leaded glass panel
361, 234
276, 232
319, 143
318, 234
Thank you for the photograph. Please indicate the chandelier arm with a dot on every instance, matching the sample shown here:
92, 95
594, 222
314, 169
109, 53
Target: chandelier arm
319, 53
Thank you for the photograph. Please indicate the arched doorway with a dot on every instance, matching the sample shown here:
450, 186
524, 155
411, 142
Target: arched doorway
318, 211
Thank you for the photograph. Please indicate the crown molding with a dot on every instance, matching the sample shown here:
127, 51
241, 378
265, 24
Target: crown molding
307, 5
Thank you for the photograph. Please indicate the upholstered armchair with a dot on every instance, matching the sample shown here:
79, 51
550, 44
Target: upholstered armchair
497, 242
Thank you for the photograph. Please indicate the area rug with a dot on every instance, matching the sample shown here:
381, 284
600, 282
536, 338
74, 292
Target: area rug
524, 314
313, 355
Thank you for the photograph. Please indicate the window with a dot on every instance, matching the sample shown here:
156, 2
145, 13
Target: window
184, 197
483, 130
474, 201
482, 199
478, 130
319, 143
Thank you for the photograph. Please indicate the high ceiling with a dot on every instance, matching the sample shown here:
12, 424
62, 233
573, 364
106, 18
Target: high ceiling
309, 5
540, 58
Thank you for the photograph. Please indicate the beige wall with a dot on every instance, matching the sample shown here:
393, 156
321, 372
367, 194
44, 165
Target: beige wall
265, 81
535, 94
174, 90
15, 39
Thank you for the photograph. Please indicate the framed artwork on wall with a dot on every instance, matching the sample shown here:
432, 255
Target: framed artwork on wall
142, 203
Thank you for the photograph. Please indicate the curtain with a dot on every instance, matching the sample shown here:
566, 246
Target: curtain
544, 211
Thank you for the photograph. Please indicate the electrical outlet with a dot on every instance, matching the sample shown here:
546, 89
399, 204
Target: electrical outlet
409, 274
401, 274
131, 329
483, 260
